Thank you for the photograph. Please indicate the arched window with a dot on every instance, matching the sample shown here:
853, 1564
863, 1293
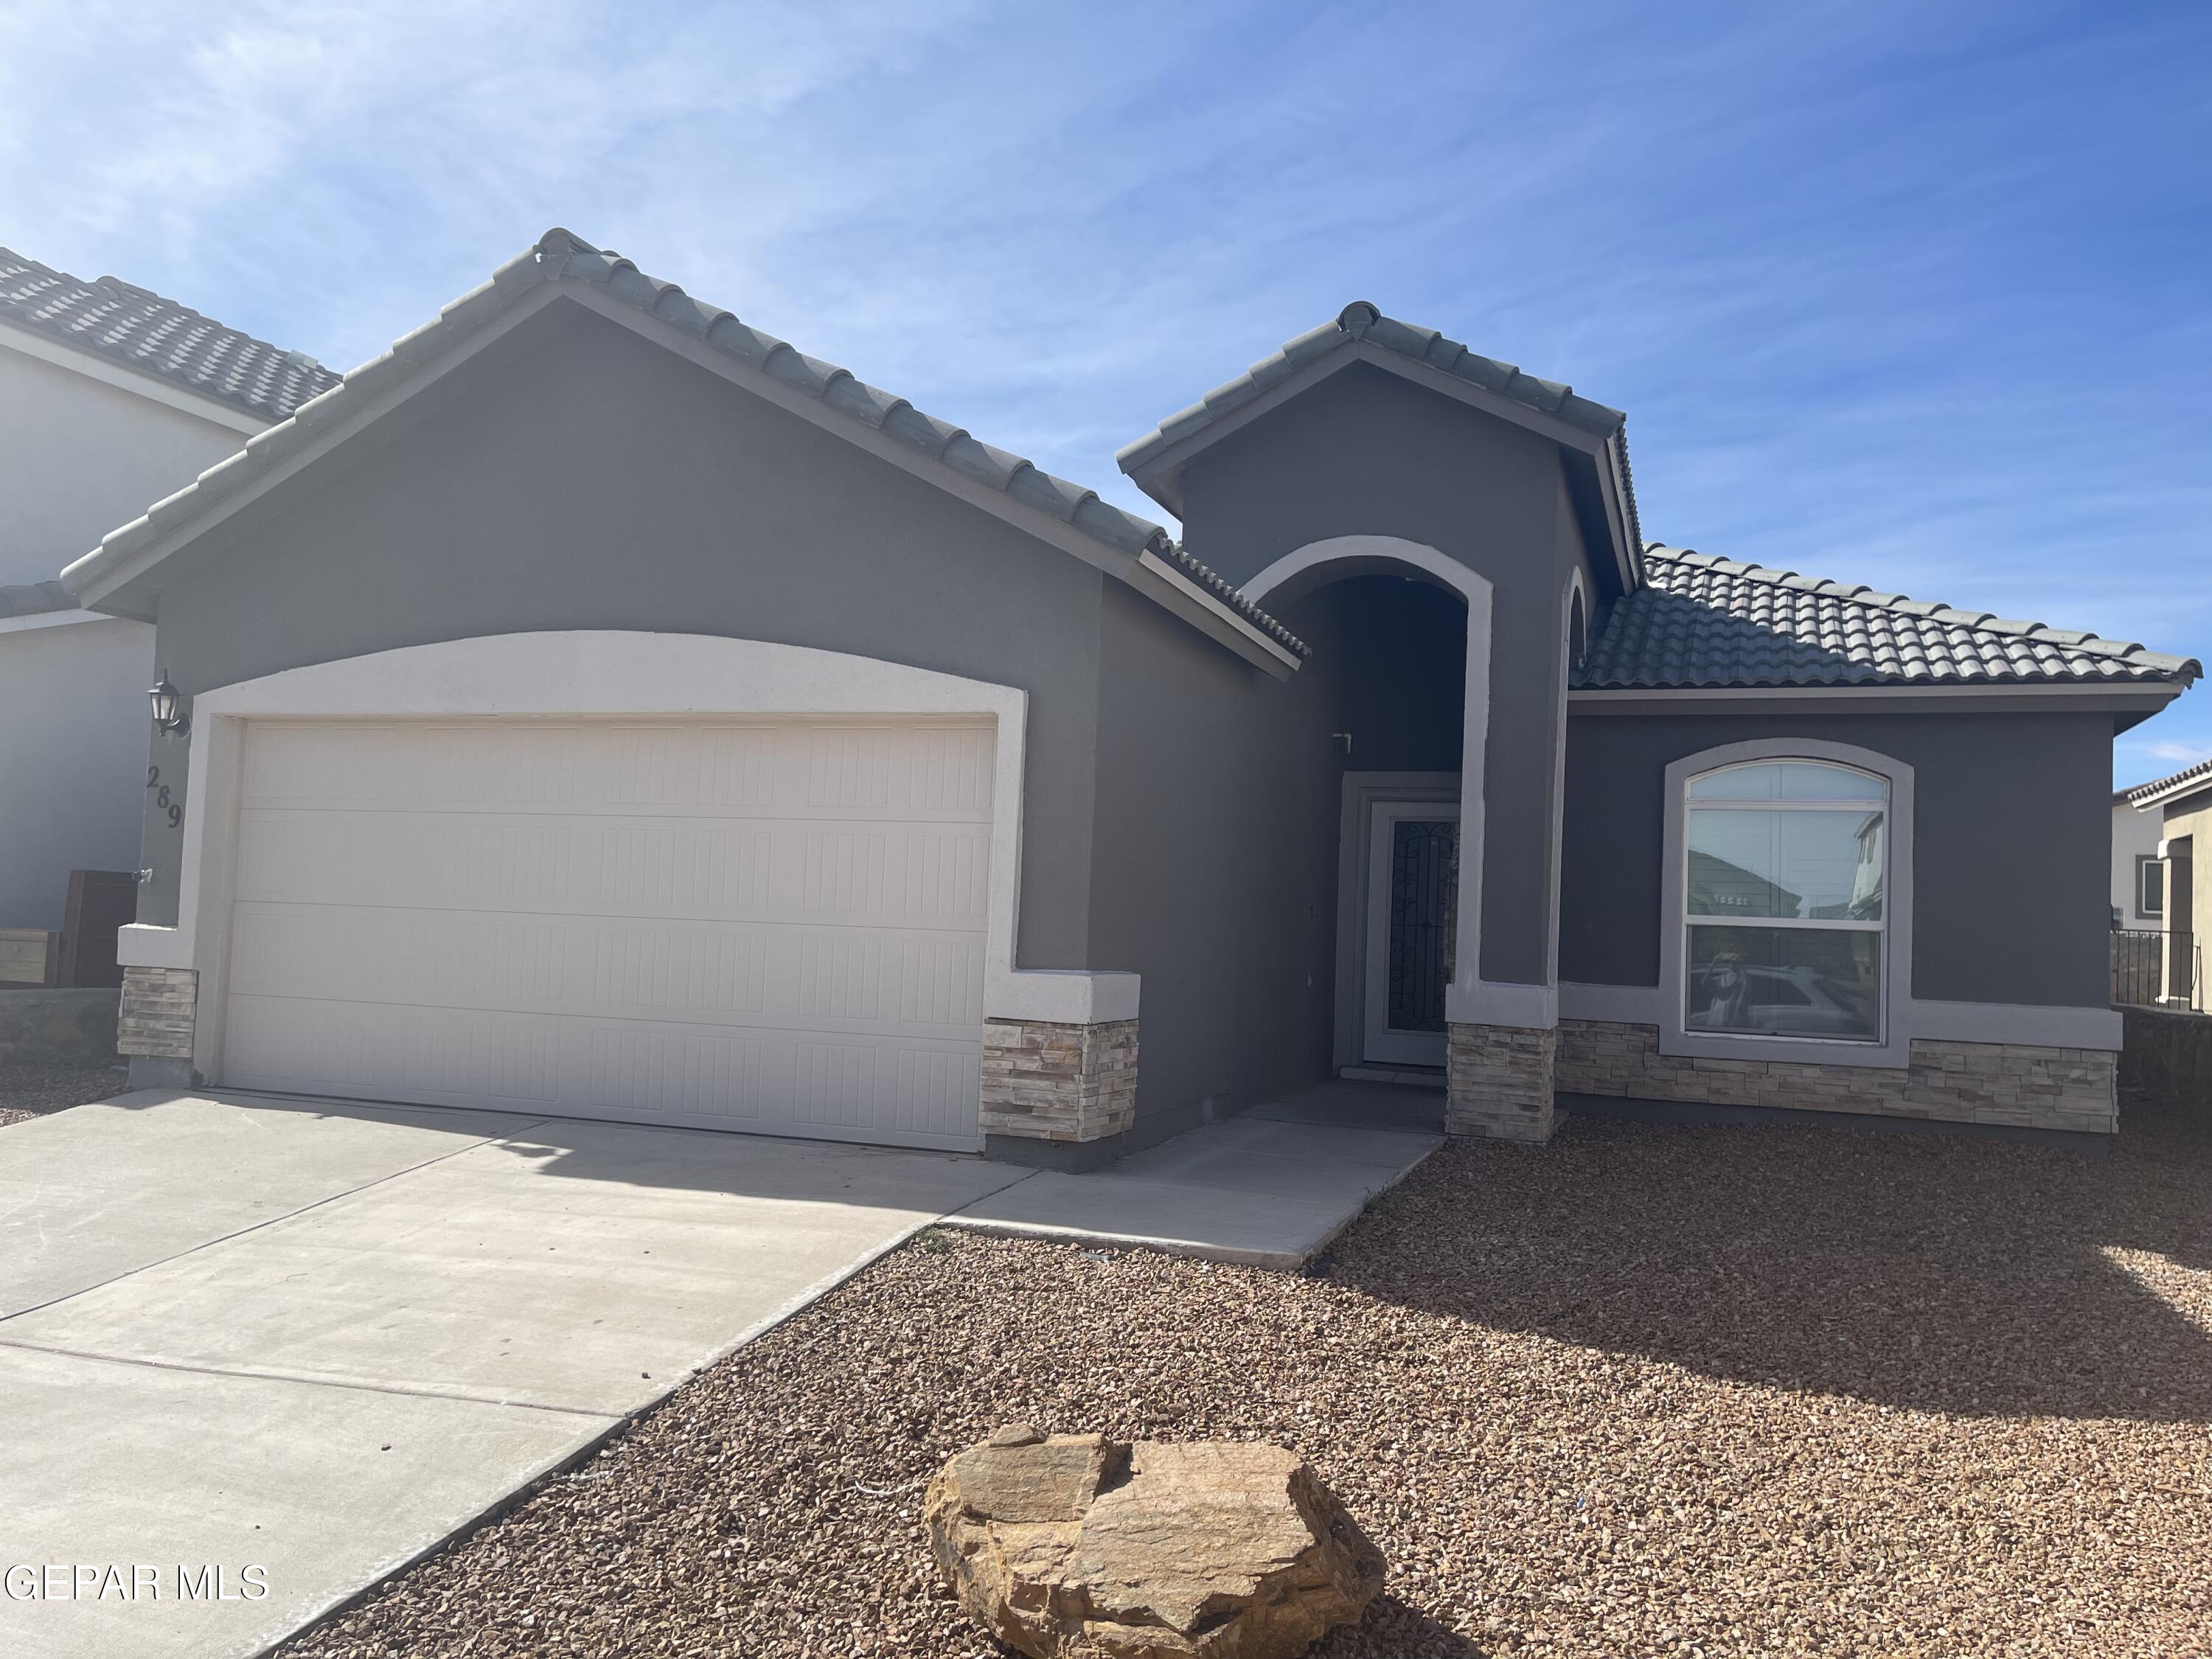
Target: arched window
1577, 632
1785, 890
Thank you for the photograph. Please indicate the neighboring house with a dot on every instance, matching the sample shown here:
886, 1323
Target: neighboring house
599, 708
2138, 874
2181, 806
110, 397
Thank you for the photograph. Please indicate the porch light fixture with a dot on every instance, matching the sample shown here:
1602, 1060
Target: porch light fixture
169, 712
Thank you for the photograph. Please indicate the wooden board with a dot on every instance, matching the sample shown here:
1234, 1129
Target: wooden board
99, 902
29, 956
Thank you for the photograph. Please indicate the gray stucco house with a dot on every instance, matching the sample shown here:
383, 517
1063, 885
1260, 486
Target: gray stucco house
598, 706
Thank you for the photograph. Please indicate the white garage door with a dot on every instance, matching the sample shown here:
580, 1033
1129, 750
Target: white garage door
768, 926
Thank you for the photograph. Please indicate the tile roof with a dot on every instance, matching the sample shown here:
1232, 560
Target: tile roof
35, 599
140, 329
1698, 621
558, 257
1362, 321
2188, 781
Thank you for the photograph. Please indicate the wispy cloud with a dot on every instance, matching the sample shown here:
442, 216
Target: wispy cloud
1911, 295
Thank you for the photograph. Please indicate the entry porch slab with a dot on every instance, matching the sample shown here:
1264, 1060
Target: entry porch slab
1269, 1189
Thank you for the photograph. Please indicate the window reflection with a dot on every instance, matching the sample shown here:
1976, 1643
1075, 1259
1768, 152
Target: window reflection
1784, 900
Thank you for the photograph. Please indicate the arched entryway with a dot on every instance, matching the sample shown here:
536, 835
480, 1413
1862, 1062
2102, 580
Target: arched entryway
1402, 632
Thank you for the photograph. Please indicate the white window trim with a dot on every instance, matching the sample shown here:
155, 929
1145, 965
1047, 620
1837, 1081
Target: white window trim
1895, 1047
585, 673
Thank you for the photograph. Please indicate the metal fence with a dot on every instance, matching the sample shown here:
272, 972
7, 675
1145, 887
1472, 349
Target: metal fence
2141, 962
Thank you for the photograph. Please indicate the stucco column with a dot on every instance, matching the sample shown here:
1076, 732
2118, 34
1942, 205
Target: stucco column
2177, 986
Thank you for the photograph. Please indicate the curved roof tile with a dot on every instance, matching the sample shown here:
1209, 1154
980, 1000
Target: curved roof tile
1703, 622
2186, 782
140, 329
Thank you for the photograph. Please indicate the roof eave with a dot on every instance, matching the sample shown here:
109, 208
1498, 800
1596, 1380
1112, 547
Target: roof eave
2137, 699
118, 577
2165, 791
62, 352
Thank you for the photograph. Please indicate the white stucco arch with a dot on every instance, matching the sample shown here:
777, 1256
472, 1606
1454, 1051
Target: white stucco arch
593, 672
1573, 591
1469, 1000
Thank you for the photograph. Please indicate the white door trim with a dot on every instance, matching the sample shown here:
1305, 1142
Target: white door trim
1355, 825
1379, 1043
595, 672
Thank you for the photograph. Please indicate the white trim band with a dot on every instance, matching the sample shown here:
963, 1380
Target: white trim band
51, 619
1062, 996
1489, 1002
2024, 1024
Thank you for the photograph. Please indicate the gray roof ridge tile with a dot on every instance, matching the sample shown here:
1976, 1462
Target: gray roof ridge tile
1933, 611
561, 255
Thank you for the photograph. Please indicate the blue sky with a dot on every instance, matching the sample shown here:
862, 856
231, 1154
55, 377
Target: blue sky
1908, 294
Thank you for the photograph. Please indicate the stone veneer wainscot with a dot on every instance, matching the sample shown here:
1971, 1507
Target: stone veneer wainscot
1046, 1081
1498, 1080
2018, 1085
156, 1019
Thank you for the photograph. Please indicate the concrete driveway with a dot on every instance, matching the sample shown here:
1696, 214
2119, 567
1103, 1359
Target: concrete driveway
255, 1354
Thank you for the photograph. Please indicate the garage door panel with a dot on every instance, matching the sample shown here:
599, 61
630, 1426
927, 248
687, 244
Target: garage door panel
820, 871
387, 1051
923, 984
482, 861
839, 771
775, 926
855, 1087
841, 1083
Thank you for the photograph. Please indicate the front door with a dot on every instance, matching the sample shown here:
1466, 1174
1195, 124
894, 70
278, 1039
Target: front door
1412, 909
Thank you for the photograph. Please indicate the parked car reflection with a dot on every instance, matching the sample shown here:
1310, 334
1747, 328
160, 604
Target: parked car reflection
1732, 996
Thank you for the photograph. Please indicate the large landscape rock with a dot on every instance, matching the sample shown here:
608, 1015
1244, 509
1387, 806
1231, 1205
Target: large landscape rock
1082, 1548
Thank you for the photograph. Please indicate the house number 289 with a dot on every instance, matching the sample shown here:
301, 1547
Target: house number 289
171, 808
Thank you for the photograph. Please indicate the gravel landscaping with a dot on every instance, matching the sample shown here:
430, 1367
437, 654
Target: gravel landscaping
28, 1089
1646, 1391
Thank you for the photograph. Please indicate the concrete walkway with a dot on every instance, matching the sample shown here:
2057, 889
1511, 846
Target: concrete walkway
1269, 1189
313, 1341
269, 1351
